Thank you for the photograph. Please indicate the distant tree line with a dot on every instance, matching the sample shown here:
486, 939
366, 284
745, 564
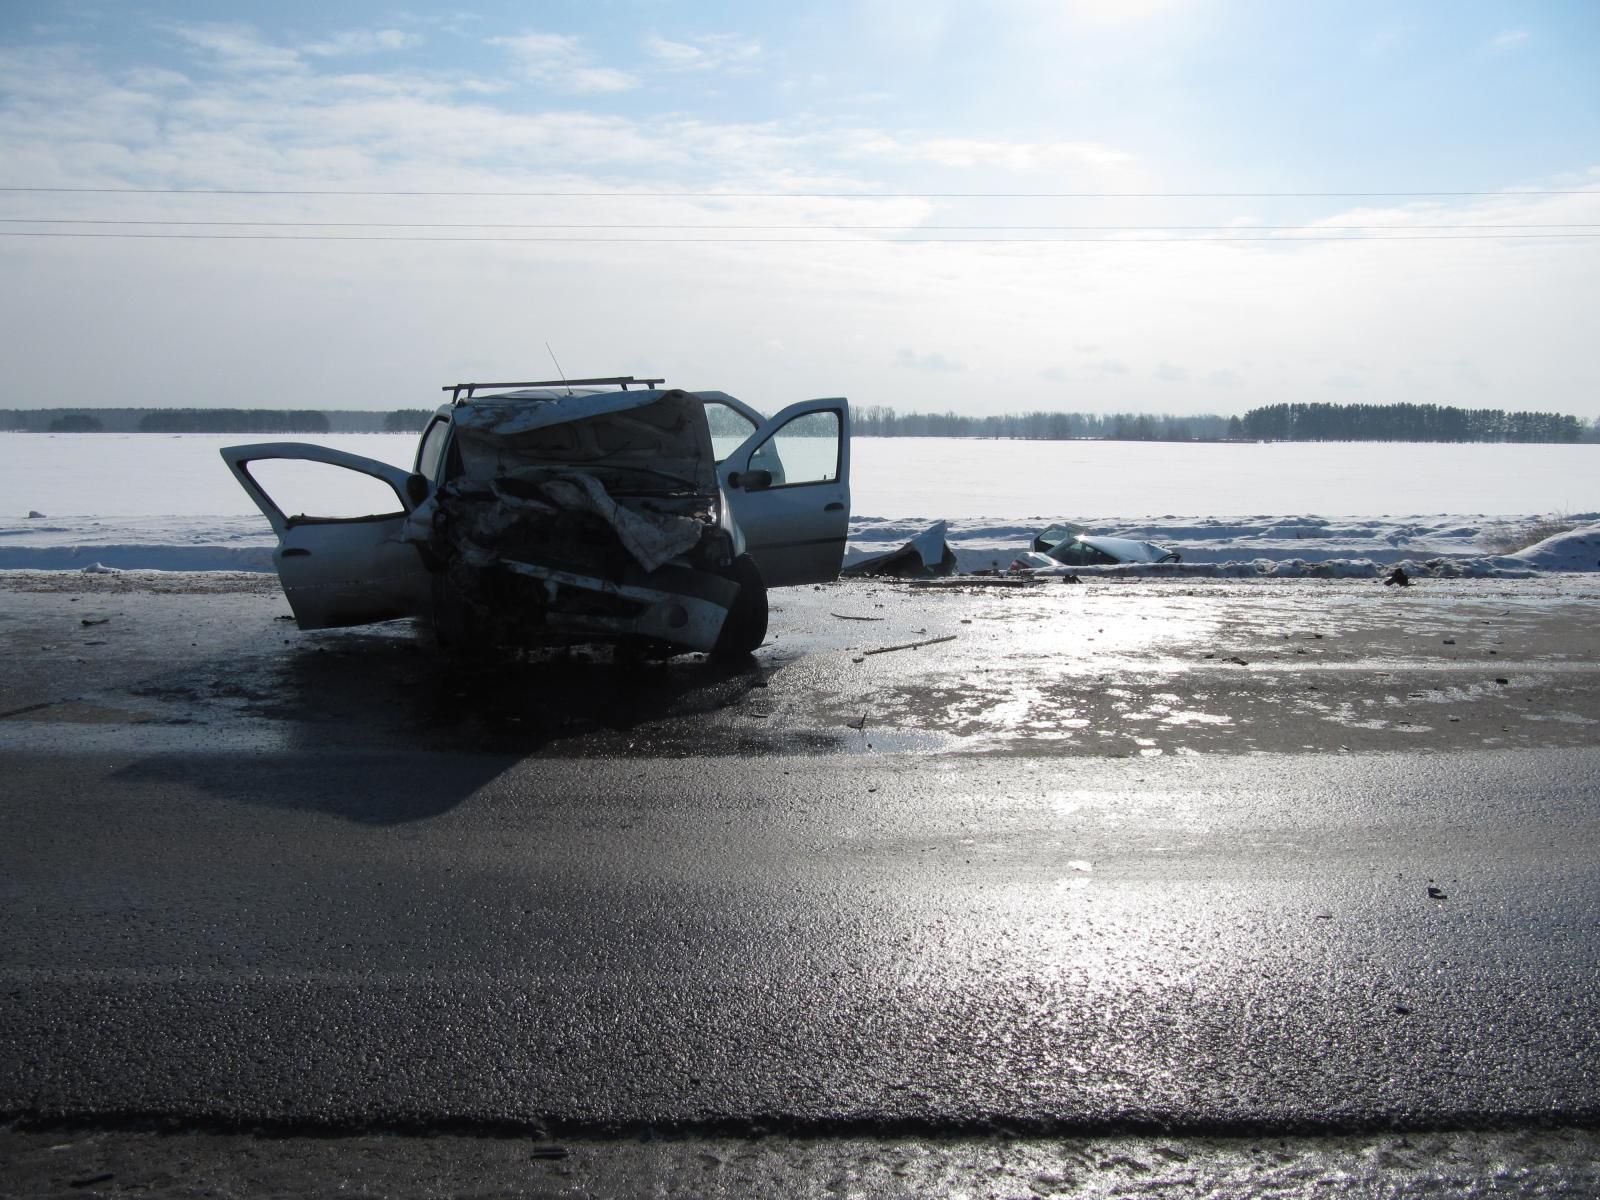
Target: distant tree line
1406, 423
77, 423
211, 420
1277, 422
879, 421
234, 420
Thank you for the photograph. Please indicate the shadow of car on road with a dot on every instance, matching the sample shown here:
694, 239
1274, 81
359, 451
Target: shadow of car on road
379, 729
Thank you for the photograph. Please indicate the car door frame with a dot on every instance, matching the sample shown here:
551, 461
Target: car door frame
339, 571
795, 532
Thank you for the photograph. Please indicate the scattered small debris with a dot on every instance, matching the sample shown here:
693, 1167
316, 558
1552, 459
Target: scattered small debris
849, 617
1449, 641
1436, 893
1402, 1010
548, 1152
91, 1180
1234, 658
1398, 577
94, 620
860, 724
1501, 680
971, 581
912, 645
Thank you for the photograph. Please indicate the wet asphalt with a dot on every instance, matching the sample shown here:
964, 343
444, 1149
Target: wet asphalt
257, 881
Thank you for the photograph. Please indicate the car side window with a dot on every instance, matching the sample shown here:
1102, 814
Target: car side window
807, 447
311, 492
1079, 554
730, 428
430, 451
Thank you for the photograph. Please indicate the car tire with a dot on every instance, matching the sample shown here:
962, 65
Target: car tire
746, 625
457, 629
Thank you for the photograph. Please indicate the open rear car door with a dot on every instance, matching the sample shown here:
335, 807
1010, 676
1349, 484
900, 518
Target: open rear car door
788, 485
339, 570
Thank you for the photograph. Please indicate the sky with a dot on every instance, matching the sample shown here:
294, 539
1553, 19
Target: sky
1170, 206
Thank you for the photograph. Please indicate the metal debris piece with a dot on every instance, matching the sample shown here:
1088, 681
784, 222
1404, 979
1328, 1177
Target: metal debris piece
912, 645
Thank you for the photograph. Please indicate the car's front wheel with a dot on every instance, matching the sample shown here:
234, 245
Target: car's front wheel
746, 625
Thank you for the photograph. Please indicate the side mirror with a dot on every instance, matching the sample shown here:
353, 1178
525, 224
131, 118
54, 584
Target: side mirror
416, 489
752, 481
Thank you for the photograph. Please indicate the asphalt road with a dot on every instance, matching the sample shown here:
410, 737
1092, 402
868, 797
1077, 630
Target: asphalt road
354, 939
333, 887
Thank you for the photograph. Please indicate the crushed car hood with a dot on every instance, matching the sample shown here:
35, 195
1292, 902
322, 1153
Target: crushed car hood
534, 464
648, 440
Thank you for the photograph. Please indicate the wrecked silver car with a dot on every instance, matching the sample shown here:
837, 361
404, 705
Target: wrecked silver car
1071, 546
587, 511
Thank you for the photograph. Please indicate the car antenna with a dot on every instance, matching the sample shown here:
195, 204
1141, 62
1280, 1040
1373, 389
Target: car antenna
559, 371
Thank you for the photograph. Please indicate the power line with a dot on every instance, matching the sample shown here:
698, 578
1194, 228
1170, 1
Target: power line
627, 195
687, 226
1172, 241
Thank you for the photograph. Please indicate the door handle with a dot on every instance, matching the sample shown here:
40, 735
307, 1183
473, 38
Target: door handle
834, 507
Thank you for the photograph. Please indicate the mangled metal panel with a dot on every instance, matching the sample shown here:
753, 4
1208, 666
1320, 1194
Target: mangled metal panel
644, 441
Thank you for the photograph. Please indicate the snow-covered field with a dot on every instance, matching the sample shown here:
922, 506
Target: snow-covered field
167, 502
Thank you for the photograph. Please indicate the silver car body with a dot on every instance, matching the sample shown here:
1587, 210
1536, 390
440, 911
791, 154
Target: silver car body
640, 460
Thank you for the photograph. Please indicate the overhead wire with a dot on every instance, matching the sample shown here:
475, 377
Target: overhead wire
682, 225
898, 241
618, 193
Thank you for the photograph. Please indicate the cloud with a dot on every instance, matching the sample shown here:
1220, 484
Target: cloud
712, 52
363, 41
992, 152
239, 47
556, 59
1509, 40
1224, 378
926, 362
1119, 12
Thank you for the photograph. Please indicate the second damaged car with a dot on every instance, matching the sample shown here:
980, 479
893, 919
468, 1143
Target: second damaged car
554, 513
1073, 546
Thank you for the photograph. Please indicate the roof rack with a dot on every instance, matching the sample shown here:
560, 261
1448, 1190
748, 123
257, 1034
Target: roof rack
456, 389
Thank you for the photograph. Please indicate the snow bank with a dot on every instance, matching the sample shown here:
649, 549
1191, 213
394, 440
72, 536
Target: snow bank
1273, 545
1282, 545
1578, 550
137, 543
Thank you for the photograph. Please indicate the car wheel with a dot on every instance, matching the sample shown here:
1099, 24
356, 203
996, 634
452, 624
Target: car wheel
457, 629
746, 626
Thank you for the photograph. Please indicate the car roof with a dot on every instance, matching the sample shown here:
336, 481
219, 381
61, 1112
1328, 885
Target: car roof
1121, 547
527, 409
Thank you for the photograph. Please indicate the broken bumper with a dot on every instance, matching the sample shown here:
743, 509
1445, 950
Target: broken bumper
677, 605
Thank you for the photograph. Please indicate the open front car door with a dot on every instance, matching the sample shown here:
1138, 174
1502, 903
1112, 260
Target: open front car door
788, 485
338, 570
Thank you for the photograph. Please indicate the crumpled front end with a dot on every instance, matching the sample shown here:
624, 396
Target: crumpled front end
597, 530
